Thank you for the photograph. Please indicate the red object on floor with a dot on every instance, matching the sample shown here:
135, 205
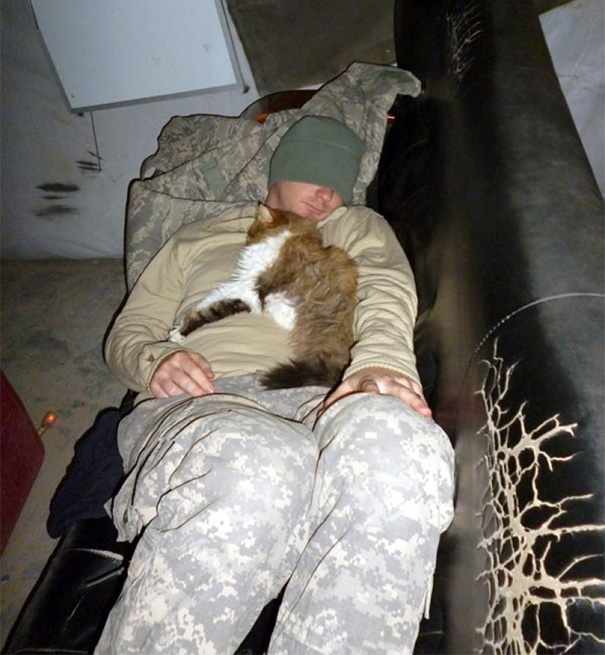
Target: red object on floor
21, 456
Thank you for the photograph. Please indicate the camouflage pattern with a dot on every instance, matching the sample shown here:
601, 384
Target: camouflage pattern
204, 163
239, 492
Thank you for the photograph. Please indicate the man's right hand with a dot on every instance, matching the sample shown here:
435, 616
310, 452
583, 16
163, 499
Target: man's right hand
182, 372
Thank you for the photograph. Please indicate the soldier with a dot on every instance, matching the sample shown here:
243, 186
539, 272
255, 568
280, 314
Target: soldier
234, 491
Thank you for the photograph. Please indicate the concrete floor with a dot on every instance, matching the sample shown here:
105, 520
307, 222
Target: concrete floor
53, 320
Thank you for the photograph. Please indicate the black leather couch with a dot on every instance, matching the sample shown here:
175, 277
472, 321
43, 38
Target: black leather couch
486, 183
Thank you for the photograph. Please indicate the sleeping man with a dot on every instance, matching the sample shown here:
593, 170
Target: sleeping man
235, 491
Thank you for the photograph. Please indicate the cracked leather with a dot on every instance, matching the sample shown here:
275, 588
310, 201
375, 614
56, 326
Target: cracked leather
485, 180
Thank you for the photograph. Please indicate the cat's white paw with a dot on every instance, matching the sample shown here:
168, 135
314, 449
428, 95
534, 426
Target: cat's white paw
281, 309
175, 335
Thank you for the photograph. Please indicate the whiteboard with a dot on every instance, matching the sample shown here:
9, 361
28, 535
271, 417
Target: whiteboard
109, 52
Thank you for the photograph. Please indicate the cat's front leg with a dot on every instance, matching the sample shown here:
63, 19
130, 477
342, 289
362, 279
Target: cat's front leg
203, 314
189, 321
175, 335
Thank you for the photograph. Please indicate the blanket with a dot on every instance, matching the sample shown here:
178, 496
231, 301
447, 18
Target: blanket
204, 162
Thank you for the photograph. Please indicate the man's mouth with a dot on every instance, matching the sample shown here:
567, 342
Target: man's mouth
317, 211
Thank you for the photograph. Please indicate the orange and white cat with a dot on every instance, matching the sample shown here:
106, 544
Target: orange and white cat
309, 289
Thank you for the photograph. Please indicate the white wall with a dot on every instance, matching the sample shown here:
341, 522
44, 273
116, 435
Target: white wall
44, 144
574, 34
54, 202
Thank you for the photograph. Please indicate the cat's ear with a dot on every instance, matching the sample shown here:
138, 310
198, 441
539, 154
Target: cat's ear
264, 213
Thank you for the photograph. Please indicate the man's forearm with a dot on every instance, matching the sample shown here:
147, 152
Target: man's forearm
132, 354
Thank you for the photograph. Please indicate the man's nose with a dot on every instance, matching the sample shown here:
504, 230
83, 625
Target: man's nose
324, 194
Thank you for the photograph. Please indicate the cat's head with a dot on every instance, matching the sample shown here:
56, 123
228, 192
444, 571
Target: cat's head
270, 221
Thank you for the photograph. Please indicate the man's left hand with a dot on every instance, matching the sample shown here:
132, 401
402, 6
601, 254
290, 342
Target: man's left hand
382, 381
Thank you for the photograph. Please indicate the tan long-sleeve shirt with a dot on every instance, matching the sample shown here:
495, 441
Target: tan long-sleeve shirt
203, 254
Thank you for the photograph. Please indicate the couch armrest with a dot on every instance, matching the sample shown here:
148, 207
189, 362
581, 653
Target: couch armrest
502, 219
67, 609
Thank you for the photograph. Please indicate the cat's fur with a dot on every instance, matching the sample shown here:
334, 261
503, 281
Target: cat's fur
285, 271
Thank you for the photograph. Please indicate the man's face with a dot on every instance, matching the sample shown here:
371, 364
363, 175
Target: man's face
309, 200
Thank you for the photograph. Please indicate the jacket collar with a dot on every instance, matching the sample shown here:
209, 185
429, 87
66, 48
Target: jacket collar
337, 213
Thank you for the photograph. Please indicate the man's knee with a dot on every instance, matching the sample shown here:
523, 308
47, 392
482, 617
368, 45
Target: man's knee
392, 457
386, 422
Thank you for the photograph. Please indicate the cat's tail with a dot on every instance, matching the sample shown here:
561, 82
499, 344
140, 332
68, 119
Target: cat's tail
298, 373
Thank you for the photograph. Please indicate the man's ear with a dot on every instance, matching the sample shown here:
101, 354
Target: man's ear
264, 213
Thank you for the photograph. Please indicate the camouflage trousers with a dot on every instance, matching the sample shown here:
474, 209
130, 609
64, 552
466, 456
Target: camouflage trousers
237, 493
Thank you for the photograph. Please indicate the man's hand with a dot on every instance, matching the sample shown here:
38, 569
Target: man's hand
382, 381
182, 372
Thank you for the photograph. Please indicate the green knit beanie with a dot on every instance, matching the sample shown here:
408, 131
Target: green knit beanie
319, 150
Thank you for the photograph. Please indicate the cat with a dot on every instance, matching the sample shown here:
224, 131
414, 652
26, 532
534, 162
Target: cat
285, 271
